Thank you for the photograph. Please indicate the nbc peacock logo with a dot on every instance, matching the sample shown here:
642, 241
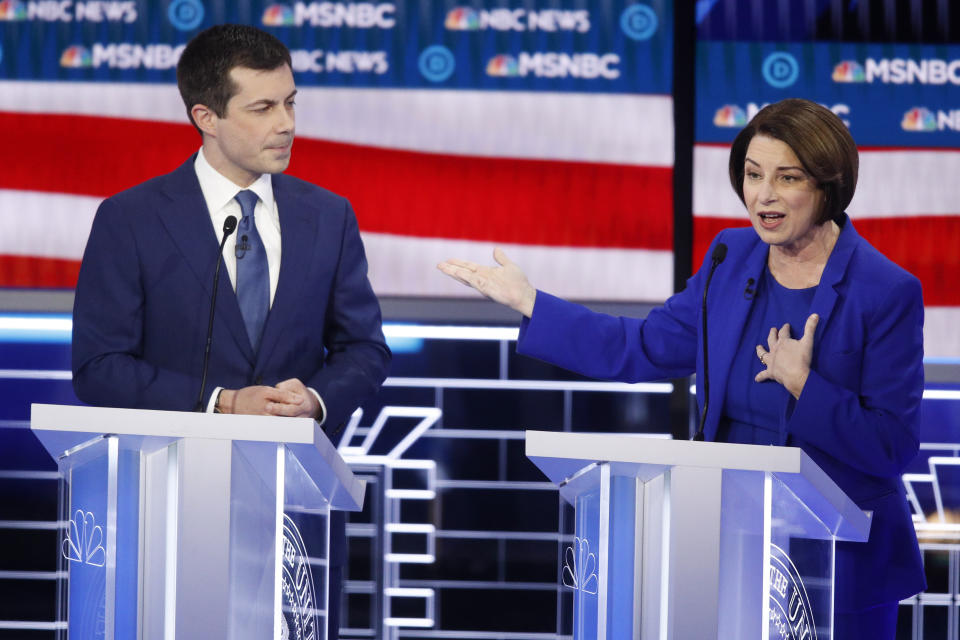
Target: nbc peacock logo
12, 10
849, 71
462, 19
76, 57
278, 15
730, 115
503, 66
919, 119
580, 567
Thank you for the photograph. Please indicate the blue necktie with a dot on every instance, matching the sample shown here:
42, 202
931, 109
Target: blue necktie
253, 277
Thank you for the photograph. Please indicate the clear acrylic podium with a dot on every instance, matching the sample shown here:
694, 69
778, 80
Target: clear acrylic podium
694, 540
192, 525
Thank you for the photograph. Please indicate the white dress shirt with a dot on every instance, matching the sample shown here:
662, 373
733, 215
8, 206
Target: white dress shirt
220, 192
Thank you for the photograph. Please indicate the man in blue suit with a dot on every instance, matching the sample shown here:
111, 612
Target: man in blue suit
297, 330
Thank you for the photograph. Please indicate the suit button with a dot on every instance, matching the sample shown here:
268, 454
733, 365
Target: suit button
259, 380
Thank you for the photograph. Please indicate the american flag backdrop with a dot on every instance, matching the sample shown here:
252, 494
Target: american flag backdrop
907, 205
551, 136
891, 72
579, 197
545, 127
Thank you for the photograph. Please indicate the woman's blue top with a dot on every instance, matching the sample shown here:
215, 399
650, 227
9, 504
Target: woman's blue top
753, 411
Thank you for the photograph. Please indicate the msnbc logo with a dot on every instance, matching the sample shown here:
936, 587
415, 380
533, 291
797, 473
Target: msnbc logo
122, 55
935, 71
551, 64
919, 119
331, 15
503, 66
730, 115
462, 19
278, 15
849, 71
76, 57
12, 10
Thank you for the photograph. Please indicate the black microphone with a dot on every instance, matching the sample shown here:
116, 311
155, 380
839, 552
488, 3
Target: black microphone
229, 226
750, 291
719, 253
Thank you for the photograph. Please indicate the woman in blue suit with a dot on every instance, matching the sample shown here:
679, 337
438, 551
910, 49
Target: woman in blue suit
845, 388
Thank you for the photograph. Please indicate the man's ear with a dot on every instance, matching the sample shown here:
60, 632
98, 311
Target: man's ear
205, 118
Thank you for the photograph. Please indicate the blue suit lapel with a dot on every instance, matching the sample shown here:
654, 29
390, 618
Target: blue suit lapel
728, 308
833, 273
824, 301
298, 231
188, 223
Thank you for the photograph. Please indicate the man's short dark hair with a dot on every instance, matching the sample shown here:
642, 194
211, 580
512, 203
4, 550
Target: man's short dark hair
821, 142
203, 73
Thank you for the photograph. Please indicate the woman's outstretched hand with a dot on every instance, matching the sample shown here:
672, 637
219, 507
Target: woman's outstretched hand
505, 284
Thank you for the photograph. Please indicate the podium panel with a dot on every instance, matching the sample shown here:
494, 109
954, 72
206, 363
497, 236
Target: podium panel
694, 540
304, 554
776, 560
92, 554
170, 535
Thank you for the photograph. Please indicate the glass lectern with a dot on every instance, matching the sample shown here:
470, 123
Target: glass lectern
676, 539
191, 525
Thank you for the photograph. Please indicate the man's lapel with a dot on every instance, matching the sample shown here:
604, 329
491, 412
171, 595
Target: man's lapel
298, 231
188, 222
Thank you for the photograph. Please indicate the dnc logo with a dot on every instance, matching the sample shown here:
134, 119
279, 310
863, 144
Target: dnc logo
639, 22
436, 63
503, 66
462, 19
76, 57
278, 15
12, 10
919, 119
185, 15
730, 115
780, 69
849, 71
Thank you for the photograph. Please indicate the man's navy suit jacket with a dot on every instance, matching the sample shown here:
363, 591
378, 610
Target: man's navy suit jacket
143, 302
858, 413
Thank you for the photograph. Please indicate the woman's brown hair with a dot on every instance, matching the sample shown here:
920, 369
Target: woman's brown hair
820, 141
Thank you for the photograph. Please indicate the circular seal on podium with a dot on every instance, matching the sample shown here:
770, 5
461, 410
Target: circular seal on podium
791, 616
298, 599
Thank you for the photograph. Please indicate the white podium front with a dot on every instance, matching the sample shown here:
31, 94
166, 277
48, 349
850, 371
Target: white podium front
193, 525
694, 540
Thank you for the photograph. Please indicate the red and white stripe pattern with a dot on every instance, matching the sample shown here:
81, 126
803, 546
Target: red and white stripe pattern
576, 187
907, 205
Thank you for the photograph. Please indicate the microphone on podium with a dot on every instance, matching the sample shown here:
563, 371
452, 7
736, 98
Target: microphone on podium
719, 253
229, 226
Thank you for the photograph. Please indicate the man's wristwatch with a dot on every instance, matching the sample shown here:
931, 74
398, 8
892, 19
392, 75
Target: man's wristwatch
216, 403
